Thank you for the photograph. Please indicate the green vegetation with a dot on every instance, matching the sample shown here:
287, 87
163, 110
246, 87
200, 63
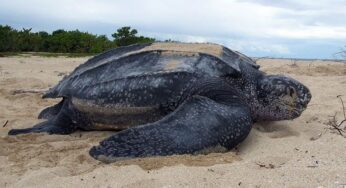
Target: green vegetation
126, 36
44, 54
13, 41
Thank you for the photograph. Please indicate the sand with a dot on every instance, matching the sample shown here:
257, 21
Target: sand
298, 153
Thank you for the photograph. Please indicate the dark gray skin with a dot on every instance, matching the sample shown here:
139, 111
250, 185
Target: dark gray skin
169, 99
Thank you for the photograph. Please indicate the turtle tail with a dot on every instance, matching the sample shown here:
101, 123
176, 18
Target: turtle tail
51, 111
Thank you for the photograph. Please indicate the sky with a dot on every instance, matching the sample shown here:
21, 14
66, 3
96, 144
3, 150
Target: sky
257, 28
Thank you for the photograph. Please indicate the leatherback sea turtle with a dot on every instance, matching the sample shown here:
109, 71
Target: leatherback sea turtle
169, 98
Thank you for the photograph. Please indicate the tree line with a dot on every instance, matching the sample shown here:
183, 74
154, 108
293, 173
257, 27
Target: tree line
62, 41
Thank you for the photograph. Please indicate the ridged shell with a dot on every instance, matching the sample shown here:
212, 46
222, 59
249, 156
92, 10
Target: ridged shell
151, 59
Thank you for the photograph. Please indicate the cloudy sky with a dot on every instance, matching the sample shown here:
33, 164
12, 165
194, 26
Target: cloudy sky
285, 28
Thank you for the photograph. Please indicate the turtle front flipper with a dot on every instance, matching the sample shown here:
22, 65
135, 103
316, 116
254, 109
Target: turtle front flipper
199, 124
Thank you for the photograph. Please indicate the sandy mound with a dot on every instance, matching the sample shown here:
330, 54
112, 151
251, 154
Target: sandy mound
298, 153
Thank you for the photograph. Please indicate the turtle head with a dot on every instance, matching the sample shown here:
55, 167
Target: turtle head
280, 98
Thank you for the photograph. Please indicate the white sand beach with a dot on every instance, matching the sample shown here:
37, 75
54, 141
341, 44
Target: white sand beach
298, 153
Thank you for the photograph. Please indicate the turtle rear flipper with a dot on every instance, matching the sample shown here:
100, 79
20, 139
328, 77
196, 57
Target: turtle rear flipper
61, 123
199, 124
47, 126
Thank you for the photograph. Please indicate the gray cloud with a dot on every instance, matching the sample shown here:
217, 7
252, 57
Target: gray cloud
300, 5
261, 27
287, 4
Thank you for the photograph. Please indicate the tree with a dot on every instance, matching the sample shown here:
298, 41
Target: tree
7, 38
44, 37
126, 36
28, 41
101, 44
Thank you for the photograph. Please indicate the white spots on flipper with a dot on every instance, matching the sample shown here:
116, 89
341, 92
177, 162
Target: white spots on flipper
195, 126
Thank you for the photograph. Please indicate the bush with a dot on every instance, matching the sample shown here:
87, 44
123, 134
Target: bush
63, 41
126, 36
